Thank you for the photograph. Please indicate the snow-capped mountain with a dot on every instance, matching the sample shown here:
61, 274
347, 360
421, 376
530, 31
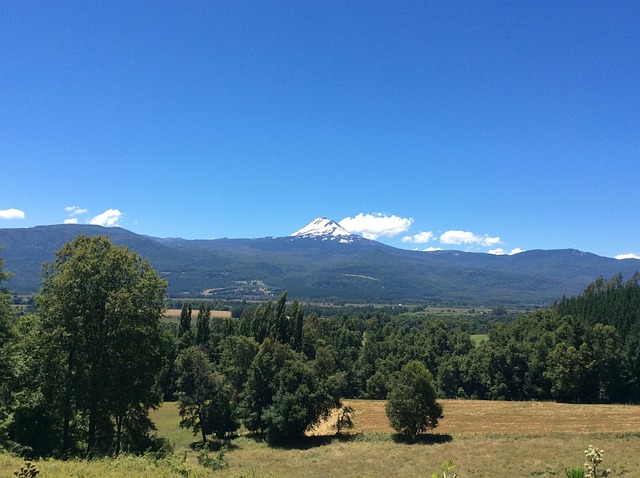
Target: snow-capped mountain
324, 262
325, 229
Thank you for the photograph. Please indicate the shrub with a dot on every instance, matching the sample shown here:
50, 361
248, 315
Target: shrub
445, 467
576, 472
411, 406
217, 463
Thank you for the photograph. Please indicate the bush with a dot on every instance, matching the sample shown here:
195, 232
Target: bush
411, 405
217, 463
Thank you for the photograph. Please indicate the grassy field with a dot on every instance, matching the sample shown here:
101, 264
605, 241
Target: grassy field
477, 339
173, 315
485, 439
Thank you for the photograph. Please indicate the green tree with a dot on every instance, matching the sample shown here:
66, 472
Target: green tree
203, 330
567, 373
185, 319
411, 405
284, 395
204, 400
100, 307
236, 355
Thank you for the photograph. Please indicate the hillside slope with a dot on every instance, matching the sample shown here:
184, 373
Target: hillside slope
326, 267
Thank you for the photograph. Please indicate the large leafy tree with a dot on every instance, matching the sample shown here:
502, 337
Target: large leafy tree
285, 395
99, 329
411, 406
204, 397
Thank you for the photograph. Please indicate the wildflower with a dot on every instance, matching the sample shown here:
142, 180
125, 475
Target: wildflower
594, 458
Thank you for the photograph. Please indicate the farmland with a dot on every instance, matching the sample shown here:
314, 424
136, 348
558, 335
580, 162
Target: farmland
484, 439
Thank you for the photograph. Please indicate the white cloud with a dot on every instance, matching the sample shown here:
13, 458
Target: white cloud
11, 214
375, 225
497, 252
502, 252
110, 217
71, 220
432, 249
465, 237
75, 210
419, 238
630, 255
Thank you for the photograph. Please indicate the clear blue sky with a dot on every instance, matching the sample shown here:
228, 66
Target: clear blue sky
428, 124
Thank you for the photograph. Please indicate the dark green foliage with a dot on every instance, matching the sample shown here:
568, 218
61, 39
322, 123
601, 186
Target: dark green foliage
203, 327
7, 355
284, 396
277, 322
92, 357
204, 396
411, 405
236, 355
169, 349
185, 319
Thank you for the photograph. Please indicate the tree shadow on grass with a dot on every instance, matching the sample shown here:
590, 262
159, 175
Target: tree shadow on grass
305, 443
426, 439
302, 443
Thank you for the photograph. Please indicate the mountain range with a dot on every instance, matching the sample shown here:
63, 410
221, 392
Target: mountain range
323, 262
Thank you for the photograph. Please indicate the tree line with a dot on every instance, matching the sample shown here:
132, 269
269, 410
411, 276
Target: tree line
79, 376
582, 349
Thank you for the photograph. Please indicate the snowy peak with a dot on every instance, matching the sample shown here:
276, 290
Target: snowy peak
325, 229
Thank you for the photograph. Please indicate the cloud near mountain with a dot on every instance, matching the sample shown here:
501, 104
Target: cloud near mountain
466, 237
419, 238
630, 255
110, 217
501, 252
459, 238
372, 226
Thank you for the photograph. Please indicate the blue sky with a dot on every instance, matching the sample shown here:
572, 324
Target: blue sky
479, 126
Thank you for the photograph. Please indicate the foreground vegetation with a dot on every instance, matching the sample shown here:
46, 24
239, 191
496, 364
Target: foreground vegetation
483, 438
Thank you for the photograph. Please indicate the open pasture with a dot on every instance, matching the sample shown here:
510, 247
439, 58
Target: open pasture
173, 315
485, 439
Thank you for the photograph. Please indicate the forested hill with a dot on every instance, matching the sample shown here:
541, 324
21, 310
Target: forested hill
320, 268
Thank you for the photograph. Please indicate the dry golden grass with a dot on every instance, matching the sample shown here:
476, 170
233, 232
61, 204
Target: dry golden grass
173, 315
472, 417
485, 440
